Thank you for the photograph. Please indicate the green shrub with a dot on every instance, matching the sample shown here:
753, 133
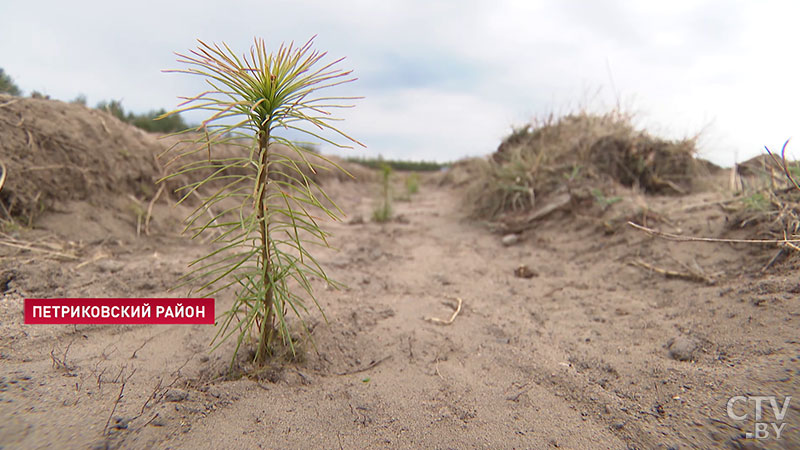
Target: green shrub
152, 121
383, 212
113, 107
80, 99
412, 183
7, 85
169, 124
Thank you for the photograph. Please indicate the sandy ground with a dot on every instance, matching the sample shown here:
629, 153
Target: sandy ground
578, 356
594, 349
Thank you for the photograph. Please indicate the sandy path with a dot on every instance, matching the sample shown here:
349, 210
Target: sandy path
572, 358
469, 385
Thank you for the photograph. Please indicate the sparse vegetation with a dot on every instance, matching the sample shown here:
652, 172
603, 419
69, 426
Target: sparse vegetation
757, 201
7, 85
604, 201
412, 183
264, 223
399, 165
571, 153
770, 205
383, 212
80, 99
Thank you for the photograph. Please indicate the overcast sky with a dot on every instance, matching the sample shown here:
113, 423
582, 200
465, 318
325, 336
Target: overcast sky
444, 80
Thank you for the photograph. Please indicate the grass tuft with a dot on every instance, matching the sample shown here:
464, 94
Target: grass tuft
770, 202
383, 212
557, 154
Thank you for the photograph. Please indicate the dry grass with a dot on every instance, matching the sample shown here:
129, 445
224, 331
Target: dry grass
578, 150
770, 202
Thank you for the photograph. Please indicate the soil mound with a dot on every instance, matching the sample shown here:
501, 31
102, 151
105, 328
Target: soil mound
54, 152
572, 153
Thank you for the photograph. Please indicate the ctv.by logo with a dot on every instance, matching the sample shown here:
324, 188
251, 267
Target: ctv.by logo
761, 429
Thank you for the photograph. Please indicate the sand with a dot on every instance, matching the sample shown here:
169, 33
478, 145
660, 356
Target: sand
592, 350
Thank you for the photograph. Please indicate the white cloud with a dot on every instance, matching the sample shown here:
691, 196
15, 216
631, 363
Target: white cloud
428, 124
445, 81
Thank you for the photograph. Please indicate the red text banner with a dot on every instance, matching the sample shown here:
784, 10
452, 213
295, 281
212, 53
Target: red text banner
120, 311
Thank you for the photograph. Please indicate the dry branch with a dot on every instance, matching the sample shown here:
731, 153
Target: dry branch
97, 257
119, 397
25, 246
365, 368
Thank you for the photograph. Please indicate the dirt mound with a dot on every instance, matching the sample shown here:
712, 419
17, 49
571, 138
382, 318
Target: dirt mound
641, 160
55, 152
576, 151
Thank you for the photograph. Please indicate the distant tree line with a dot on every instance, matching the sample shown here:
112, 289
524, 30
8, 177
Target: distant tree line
145, 121
417, 166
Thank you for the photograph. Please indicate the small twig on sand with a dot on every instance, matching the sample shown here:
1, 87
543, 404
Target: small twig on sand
774, 259
152, 396
451, 319
61, 362
365, 368
119, 397
436, 368
723, 423
25, 246
691, 276
95, 258
522, 389
146, 341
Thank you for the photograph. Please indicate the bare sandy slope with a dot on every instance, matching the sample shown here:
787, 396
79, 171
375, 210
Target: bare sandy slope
575, 357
